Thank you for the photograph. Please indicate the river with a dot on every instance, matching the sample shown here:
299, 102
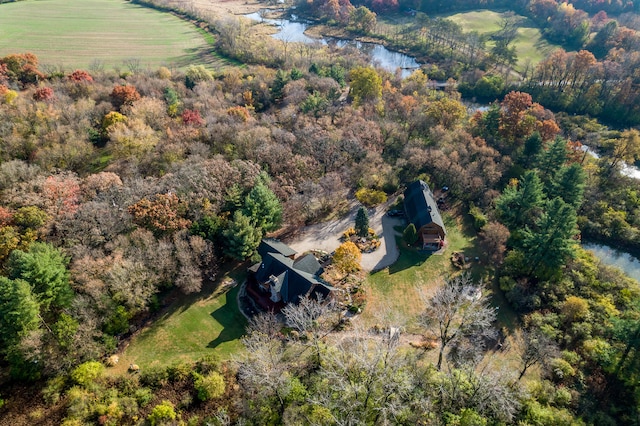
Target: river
612, 257
292, 30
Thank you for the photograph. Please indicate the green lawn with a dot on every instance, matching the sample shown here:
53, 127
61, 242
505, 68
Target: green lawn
81, 33
191, 328
530, 45
398, 287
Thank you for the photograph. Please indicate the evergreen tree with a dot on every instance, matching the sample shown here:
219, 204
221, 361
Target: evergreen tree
263, 207
277, 89
44, 267
519, 206
362, 222
553, 242
551, 160
241, 237
18, 311
410, 235
569, 185
532, 149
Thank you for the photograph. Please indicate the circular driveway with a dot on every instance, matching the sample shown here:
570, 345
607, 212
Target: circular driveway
326, 236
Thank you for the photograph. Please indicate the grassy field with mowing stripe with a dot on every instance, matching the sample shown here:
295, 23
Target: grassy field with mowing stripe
530, 45
79, 33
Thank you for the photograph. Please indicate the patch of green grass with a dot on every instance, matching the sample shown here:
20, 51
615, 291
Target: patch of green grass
530, 45
196, 326
76, 33
398, 288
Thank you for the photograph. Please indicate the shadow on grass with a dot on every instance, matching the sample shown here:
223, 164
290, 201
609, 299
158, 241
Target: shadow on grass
230, 318
409, 257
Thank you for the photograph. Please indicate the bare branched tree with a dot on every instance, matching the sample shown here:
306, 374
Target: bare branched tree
364, 380
312, 317
458, 312
264, 369
535, 348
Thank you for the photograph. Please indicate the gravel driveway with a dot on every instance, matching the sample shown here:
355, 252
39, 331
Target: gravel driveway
326, 236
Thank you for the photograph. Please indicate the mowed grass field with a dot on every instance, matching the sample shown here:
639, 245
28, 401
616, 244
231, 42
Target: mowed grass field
530, 45
84, 33
398, 289
191, 328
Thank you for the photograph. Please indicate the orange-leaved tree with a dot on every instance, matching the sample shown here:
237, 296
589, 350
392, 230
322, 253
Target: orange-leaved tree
163, 213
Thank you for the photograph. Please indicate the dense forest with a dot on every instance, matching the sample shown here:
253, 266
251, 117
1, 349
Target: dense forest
122, 190
597, 76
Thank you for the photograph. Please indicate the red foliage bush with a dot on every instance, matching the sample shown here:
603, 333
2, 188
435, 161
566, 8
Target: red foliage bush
6, 217
43, 94
79, 76
192, 117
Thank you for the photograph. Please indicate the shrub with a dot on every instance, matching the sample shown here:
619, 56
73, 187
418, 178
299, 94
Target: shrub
164, 73
53, 389
348, 233
208, 363
561, 369
154, 377
30, 217
143, 396
347, 257
8, 96
112, 118
371, 197
210, 386
479, 218
410, 235
192, 117
87, 373
195, 74
162, 413
179, 372
79, 75
43, 94
239, 112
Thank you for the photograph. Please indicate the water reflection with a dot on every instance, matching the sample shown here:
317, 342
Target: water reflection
612, 257
293, 31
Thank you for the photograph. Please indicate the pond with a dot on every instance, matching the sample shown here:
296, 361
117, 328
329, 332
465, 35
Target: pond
612, 257
292, 30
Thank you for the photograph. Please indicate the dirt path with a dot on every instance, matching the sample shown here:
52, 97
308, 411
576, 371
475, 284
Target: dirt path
326, 236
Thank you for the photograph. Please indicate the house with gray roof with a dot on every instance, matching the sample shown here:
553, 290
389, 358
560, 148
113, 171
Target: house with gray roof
421, 209
280, 278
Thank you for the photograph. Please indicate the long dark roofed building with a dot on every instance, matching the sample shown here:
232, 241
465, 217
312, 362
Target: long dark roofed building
421, 209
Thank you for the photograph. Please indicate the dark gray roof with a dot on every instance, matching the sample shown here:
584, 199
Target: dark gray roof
420, 206
309, 264
290, 281
274, 246
272, 264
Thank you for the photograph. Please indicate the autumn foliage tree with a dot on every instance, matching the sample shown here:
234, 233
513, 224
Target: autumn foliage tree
79, 76
365, 85
21, 68
124, 95
514, 122
164, 213
347, 258
192, 117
